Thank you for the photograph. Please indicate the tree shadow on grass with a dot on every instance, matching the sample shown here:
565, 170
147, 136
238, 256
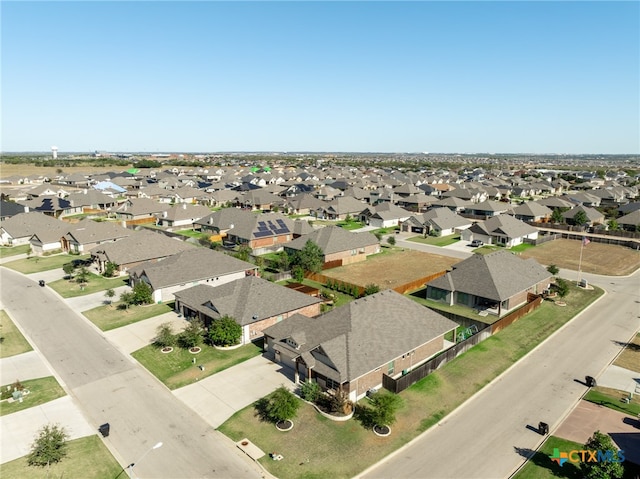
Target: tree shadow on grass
567, 470
364, 415
261, 409
630, 346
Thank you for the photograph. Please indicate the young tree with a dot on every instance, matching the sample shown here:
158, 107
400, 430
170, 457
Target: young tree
68, 269
562, 287
142, 293
385, 405
556, 216
128, 299
391, 240
298, 273
225, 332
192, 335
164, 336
284, 261
49, 446
110, 269
83, 275
243, 253
553, 269
282, 405
610, 469
613, 225
110, 293
310, 258
580, 218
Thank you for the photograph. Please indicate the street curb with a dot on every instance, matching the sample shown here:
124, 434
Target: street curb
484, 388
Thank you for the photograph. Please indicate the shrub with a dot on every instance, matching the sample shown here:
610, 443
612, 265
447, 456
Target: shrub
562, 287
282, 405
164, 336
371, 288
192, 335
310, 391
385, 405
225, 332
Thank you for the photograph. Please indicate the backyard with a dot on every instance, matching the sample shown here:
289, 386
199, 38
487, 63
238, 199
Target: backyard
392, 269
352, 448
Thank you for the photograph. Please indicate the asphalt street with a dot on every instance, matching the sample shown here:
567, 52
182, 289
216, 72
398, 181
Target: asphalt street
489, 437
111, 387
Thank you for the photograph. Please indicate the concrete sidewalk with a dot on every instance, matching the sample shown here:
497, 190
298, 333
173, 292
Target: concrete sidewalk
23, 366
218, 397
19, 429
623, 379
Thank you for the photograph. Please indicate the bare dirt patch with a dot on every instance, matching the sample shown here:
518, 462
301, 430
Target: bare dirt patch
392, 269
598, 258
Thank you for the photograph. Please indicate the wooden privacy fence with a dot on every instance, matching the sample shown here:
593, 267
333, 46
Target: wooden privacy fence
418, 283
422, 371
419, 372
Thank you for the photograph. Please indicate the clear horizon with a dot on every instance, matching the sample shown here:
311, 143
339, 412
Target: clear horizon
554, 78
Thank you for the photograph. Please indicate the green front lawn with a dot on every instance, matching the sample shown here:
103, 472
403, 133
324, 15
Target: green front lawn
41, 390
95, 283
522, 247
12, 341
436, 240
86, 457
612, 398
352, 448
540, 466
36, 264
6, 251
176, 369
110, 316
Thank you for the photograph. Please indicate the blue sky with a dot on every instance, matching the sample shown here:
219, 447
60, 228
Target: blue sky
492, 77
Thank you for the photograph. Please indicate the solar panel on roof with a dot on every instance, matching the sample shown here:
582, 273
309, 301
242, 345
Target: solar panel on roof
261, 234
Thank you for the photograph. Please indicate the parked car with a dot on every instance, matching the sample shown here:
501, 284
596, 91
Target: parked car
476, 243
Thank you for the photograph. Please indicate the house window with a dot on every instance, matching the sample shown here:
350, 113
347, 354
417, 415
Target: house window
391, 368
462, 298
331, 384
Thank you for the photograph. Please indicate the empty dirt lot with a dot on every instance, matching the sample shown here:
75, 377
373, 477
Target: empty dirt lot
392, 269
598, 258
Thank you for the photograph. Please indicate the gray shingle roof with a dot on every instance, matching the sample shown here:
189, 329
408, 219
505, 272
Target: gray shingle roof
192, 265
496, 276
89, 231
503, 225
246, 300
333, 239
365, 334
26, 224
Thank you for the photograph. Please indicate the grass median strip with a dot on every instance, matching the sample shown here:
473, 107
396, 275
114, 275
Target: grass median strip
353, 448
86, 457
111, 316
41, 390
177, 369
13, 342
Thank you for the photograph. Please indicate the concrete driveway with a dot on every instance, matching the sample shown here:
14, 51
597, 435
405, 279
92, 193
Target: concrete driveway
218, 397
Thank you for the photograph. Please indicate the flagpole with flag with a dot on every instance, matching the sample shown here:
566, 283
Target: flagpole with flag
585, 241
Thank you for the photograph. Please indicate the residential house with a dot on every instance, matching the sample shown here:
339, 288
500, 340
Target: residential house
352, 347
189, 268
139, 247
10, 208
630, 221
140, 210
90, 199
342, 207
384, 215
532, 211
454, 204
254, 303
19, 229
436, 222
48, 240
181, 215
592, 215
496, 282
487, 209
52, 206
304, 204
260, 232
338, 244
87, 234
503, 230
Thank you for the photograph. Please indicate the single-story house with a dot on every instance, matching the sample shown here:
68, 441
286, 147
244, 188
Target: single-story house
502, 230
353, 346
252, 302
189, 268
338, 244
87, 234
438, 221
19, 229
182, 214
384, 215
496, 282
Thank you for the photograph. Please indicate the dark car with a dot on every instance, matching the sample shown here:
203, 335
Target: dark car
41, 282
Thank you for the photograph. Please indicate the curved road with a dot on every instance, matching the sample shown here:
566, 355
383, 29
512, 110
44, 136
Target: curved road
488, 436
111, 387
